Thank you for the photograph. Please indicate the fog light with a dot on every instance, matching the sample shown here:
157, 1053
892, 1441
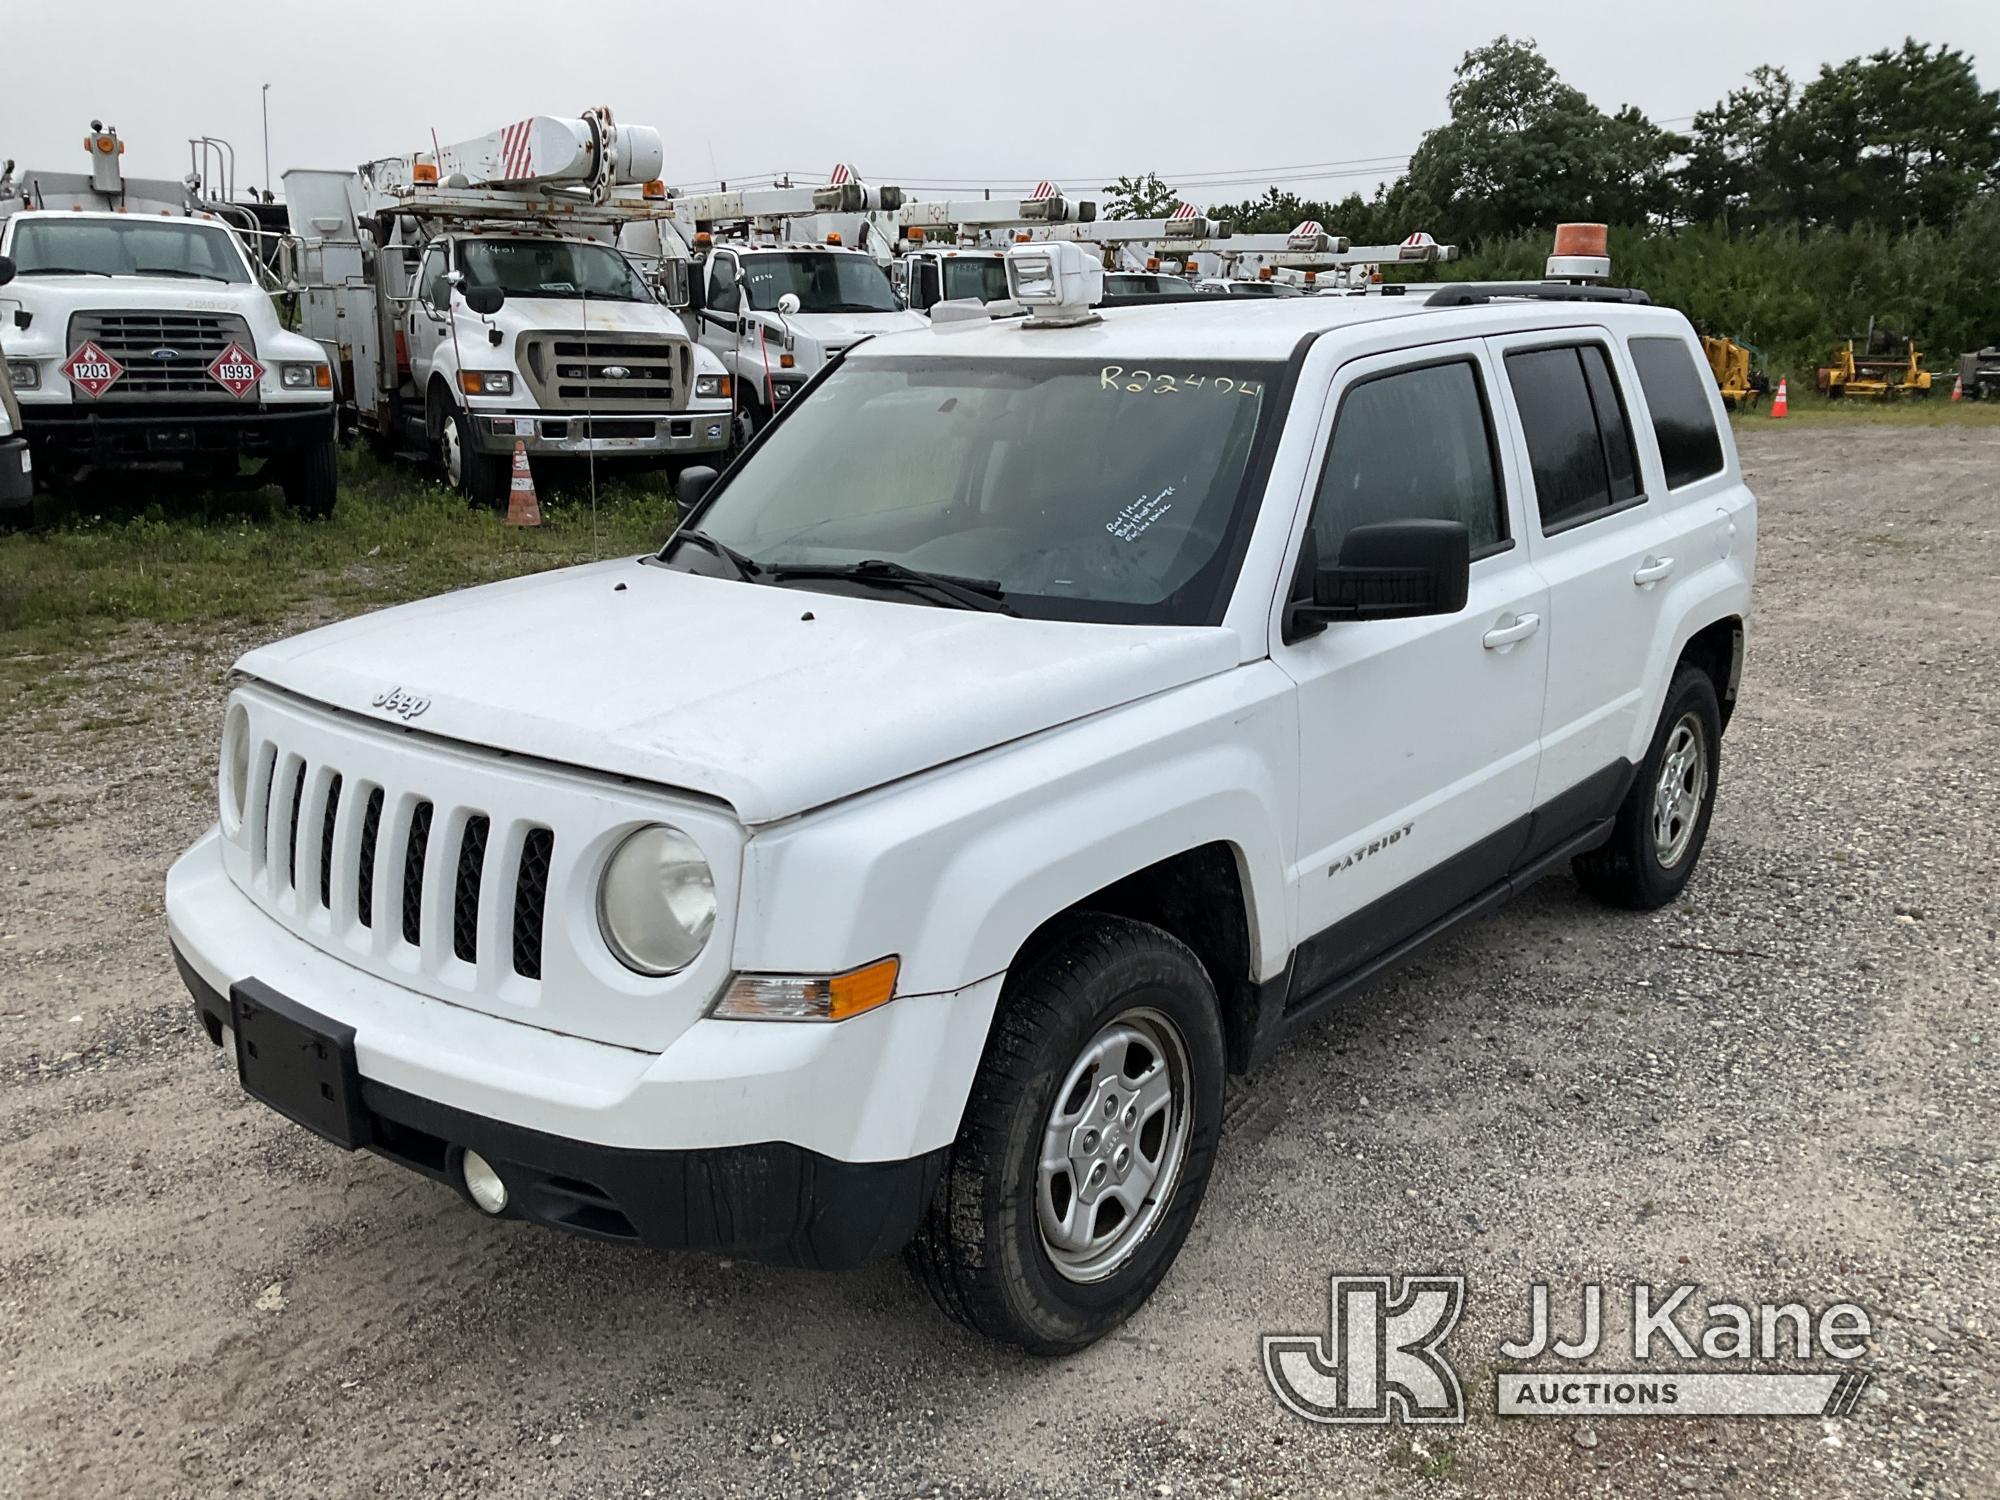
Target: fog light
487, 1190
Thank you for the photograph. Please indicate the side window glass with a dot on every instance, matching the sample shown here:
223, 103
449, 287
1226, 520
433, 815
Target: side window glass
1619, 458
724, 294
430, 281
1412, 445
1683, 421
1579, 441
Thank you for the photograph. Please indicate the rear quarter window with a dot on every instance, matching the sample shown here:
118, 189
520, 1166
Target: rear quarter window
1683, 421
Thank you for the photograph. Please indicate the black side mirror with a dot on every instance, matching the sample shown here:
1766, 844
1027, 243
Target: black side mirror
6, 269
695, 481
485, 300
1392, 570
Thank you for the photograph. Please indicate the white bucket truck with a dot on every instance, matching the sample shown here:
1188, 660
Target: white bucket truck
138, 330
475, 297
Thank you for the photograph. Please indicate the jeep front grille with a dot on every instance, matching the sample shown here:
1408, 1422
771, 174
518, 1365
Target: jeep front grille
299, 826
164, 354
613, 373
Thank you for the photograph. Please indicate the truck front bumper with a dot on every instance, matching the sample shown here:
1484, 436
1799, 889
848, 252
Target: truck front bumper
793, 1143
137, 434
17, 474
691, 432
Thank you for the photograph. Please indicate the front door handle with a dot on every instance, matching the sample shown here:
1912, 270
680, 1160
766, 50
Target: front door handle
1652, 570
1510, 630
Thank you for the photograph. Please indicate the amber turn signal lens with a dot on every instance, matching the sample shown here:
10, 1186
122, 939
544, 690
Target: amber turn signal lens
802, 997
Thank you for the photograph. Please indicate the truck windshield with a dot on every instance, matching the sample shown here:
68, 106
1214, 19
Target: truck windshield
981, 276
1084, 490
133, 247
551, 268
825, 281
1143, 284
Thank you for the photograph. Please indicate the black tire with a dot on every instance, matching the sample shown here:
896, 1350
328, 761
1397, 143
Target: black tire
481, 477
311, 481
1632, 869
747, 421
981, 1250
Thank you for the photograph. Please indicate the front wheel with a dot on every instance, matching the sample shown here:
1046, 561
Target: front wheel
1663, 822
310, 479
481, 477
1086, 1143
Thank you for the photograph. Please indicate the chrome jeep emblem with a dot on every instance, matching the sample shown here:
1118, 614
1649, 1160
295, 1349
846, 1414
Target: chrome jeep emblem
404, 705
614, 372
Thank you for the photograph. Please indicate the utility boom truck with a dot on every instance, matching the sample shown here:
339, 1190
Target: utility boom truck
138, 329
475, 297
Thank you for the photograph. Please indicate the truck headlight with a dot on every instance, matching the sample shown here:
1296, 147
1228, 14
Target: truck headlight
235, 764
656, 904
24, 374
486, 382
311, 376
711, 387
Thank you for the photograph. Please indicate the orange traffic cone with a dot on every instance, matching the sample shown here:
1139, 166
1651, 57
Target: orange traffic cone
1958, 388
1778, 406
523, 509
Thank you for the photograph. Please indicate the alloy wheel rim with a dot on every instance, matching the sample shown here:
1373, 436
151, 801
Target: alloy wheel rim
1680, 791
1113, 1145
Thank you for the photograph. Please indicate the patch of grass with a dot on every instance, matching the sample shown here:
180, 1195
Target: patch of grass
1937, 410
108, 559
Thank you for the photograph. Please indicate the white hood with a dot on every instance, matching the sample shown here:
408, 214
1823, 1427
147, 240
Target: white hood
534, 314
842, 329
721, 687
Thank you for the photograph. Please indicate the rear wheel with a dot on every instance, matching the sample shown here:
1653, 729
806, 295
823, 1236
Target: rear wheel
1086, 1143
310, 478
1663, 821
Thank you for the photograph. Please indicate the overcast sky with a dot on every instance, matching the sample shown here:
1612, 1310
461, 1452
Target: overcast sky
909, 93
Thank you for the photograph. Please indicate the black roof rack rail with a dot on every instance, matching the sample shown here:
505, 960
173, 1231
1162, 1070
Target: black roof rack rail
1472, 293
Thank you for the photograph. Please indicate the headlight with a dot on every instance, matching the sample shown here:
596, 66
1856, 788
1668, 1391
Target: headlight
24, 374
235, 763
656, 906
711, 387
306, 377
486, 382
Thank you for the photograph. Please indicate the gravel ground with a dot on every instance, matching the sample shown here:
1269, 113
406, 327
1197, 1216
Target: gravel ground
1781, 1087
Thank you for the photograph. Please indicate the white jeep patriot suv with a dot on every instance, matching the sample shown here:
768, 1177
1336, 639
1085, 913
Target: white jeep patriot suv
1038, 721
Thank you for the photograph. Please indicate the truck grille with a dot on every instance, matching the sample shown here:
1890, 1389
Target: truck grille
164, 354
298, 829
571, 374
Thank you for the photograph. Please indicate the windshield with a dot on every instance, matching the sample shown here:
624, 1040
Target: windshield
825, 281
1085, 490
1143, 284
551, 268
136, 247
1261, 289
981, 276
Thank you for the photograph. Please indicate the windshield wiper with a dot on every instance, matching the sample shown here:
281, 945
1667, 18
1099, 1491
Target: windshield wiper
59, 271
180, 271
747, 568
965, 593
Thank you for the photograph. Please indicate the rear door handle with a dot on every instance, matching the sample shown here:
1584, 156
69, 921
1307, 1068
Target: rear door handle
1652, 570
1508, 633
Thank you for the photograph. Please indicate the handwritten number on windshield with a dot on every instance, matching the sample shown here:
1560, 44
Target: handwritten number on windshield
1137, 382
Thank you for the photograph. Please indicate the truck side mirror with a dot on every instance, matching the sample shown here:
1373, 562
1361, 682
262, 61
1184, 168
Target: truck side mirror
1391, 570
673, 283
695, 482
485, 300
6, 269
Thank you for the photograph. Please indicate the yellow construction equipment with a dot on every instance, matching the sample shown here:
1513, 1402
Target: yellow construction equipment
1888, 365
1730, 363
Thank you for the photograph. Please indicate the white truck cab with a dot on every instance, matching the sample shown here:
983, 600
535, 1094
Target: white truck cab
138, 330
775, 313
1044, 717
17, 463
476, 298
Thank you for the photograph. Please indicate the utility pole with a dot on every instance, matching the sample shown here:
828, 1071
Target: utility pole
267, 142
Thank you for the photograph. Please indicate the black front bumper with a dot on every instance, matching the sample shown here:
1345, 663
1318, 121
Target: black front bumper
773, 1202
92, 433
17, 478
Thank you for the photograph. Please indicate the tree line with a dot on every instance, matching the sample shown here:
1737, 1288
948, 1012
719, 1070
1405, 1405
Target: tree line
1787, 214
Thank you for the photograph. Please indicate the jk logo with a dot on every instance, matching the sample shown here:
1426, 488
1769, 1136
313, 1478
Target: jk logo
1379, 1358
